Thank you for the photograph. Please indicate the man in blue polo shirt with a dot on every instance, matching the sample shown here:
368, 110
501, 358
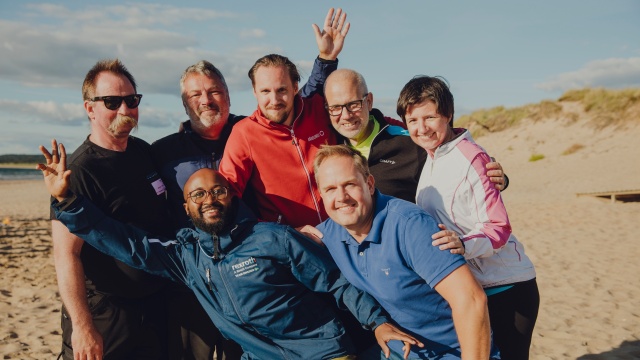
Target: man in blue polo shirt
382, 245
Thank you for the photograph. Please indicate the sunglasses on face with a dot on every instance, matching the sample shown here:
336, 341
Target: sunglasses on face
114, 102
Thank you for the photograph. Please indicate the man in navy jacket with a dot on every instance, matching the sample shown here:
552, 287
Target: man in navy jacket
257, 281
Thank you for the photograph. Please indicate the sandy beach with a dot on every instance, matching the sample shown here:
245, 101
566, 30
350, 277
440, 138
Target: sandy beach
584, 248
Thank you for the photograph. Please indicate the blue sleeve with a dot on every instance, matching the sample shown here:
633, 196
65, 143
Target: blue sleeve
428, 261
321, 70
313, 266
123, 242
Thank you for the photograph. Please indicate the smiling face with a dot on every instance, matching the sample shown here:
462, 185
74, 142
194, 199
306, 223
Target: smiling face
206, 101
427, 128
275, 92
347, 194
342, 88
212, 215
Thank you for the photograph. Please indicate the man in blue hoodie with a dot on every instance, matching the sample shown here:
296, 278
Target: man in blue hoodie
257, 281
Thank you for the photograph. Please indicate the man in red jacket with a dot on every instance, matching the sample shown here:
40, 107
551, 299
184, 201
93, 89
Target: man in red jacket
269, 156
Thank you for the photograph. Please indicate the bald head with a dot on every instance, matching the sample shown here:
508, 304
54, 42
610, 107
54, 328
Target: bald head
346, 91
206, 179
345, 80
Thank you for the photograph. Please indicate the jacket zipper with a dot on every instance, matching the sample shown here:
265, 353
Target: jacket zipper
313, 196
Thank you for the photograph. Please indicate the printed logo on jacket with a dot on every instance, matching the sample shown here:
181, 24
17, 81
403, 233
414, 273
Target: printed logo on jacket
318, 135
245, 267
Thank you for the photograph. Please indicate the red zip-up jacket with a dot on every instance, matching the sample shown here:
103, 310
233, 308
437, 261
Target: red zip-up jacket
270, 165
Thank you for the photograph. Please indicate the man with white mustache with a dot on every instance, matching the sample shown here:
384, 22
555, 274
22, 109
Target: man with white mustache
108, 310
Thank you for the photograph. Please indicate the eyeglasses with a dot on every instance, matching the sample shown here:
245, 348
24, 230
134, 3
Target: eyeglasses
199, 196
336, 110
114, 102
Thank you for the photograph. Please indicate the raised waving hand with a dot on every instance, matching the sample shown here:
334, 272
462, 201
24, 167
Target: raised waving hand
54, 170
330, 39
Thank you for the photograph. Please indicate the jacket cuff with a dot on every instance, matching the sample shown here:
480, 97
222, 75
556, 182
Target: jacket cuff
65, 204
327, 62
379, 320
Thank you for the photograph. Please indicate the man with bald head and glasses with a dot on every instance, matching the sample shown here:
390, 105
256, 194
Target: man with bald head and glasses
109, 309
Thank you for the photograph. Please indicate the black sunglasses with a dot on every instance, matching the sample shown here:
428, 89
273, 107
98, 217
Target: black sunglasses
114, 102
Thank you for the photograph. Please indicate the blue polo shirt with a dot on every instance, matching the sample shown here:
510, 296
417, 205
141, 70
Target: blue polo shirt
399, 267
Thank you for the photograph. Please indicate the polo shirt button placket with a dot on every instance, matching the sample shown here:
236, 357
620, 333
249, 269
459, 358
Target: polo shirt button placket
362, 263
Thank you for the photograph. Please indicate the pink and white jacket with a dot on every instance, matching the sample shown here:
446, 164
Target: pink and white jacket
456, 191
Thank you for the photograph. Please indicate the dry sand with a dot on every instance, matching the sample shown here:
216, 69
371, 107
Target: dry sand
586, 250
29, 301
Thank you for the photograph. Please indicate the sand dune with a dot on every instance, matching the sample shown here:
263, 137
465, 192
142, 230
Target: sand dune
585, 249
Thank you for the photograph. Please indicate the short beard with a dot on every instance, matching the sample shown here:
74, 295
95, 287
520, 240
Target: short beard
208, 128
120, 122
279, 120
217, 226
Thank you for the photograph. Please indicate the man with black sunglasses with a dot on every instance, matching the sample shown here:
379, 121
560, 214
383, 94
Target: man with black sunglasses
114, 102
111, 310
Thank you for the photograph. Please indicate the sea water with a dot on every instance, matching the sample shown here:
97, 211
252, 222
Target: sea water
19, 174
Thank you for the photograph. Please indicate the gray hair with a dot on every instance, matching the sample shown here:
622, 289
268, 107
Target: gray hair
202, 67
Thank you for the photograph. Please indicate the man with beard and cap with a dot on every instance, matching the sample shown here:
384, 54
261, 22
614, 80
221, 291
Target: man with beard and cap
258, 281
108, 307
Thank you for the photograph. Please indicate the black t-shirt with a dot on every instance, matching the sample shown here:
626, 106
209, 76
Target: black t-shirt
126, 186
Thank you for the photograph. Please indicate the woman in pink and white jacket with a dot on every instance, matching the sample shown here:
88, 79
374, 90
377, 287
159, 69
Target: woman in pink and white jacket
456, 191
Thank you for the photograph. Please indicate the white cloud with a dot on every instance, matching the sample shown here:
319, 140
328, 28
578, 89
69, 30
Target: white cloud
43, 111
612, 73
51, 113
54, 46
253, 33
156, 118
133, 14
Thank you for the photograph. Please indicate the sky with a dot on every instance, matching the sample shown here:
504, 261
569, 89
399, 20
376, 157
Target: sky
492, 53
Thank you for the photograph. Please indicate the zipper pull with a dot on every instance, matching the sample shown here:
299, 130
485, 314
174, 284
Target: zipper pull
208, 274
